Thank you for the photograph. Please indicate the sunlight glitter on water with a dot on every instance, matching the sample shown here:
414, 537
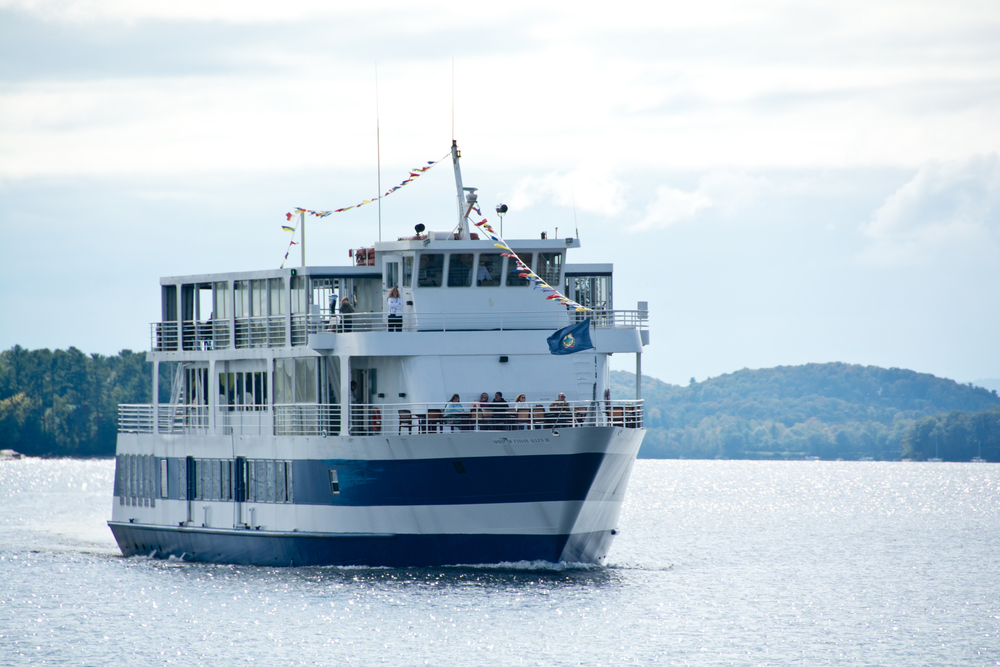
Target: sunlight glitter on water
717, 562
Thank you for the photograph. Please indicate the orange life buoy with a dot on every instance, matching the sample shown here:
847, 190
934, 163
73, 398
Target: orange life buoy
375, 421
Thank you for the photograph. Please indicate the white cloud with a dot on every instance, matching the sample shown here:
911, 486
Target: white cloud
725, 191
591, 187
947, 207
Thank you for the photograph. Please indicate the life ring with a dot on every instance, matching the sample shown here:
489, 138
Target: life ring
375, 421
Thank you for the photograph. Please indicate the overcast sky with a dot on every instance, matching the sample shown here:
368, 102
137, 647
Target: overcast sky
784, 183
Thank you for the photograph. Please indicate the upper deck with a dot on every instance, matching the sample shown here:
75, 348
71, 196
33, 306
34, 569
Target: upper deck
446, 286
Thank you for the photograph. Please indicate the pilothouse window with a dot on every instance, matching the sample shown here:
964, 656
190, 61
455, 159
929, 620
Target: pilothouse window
549, 267
431, 269
460, 270
407, 271
488, 273
513, 279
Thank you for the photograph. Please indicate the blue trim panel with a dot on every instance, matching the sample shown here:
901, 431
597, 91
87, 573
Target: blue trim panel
247, 547
494, 479
441, 481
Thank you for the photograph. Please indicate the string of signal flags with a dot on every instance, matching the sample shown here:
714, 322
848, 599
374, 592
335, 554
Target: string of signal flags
415, 173
524, 271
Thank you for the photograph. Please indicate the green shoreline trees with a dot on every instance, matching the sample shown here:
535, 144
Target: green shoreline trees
65, 403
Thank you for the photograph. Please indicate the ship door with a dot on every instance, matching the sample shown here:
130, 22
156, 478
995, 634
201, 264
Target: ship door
390, 279
359, 401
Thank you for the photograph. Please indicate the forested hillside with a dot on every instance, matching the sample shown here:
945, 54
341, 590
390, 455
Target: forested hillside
827, 410
65, 403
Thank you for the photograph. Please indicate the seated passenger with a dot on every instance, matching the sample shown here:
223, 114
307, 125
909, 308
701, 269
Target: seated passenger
522, 413
501, 413
481, 411
559, 412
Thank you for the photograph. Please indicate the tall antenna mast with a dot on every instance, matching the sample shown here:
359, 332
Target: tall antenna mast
575, 225
378, 157
453, 100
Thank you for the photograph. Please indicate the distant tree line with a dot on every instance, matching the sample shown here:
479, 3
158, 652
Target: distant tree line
826, 410
65, 402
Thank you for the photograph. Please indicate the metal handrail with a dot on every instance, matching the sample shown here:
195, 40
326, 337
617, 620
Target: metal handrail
379, 418
410, 418
270, 331
482, 321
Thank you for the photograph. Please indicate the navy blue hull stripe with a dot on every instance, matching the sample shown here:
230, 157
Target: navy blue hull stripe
458, 481
254, 548
499, 479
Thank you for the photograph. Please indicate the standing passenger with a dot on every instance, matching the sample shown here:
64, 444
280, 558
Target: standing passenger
346, 313
395, 310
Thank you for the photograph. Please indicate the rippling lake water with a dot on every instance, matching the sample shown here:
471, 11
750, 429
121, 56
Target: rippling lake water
718, 562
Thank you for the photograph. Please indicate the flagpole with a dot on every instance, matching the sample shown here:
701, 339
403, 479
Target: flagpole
302, 237
378, 158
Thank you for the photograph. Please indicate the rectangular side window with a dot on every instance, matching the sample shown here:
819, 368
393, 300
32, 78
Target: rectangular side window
391, 275
460, 270
163, 478
431, 269
549, 267
407, 271
488, 270
334, 483
513, 279
279, 478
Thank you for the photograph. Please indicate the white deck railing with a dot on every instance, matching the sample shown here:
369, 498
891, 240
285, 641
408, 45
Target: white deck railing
253, 332
378, 418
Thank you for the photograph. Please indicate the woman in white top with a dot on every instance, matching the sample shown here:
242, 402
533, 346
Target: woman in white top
395, 310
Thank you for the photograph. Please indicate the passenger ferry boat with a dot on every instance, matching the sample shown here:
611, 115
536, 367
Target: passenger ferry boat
299, 434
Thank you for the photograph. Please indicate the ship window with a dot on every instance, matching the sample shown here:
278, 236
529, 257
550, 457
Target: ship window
488, 272
513, 279
460, 270
549, 267
258, 298
216, 480
407, 271
163, 478
251, 487
283, 369
431, 268
241, 293
391, 274
261, 492
227, 469
276, 288
334, 483
279, 478
220, 301
298, 295
240, 396
305, 380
